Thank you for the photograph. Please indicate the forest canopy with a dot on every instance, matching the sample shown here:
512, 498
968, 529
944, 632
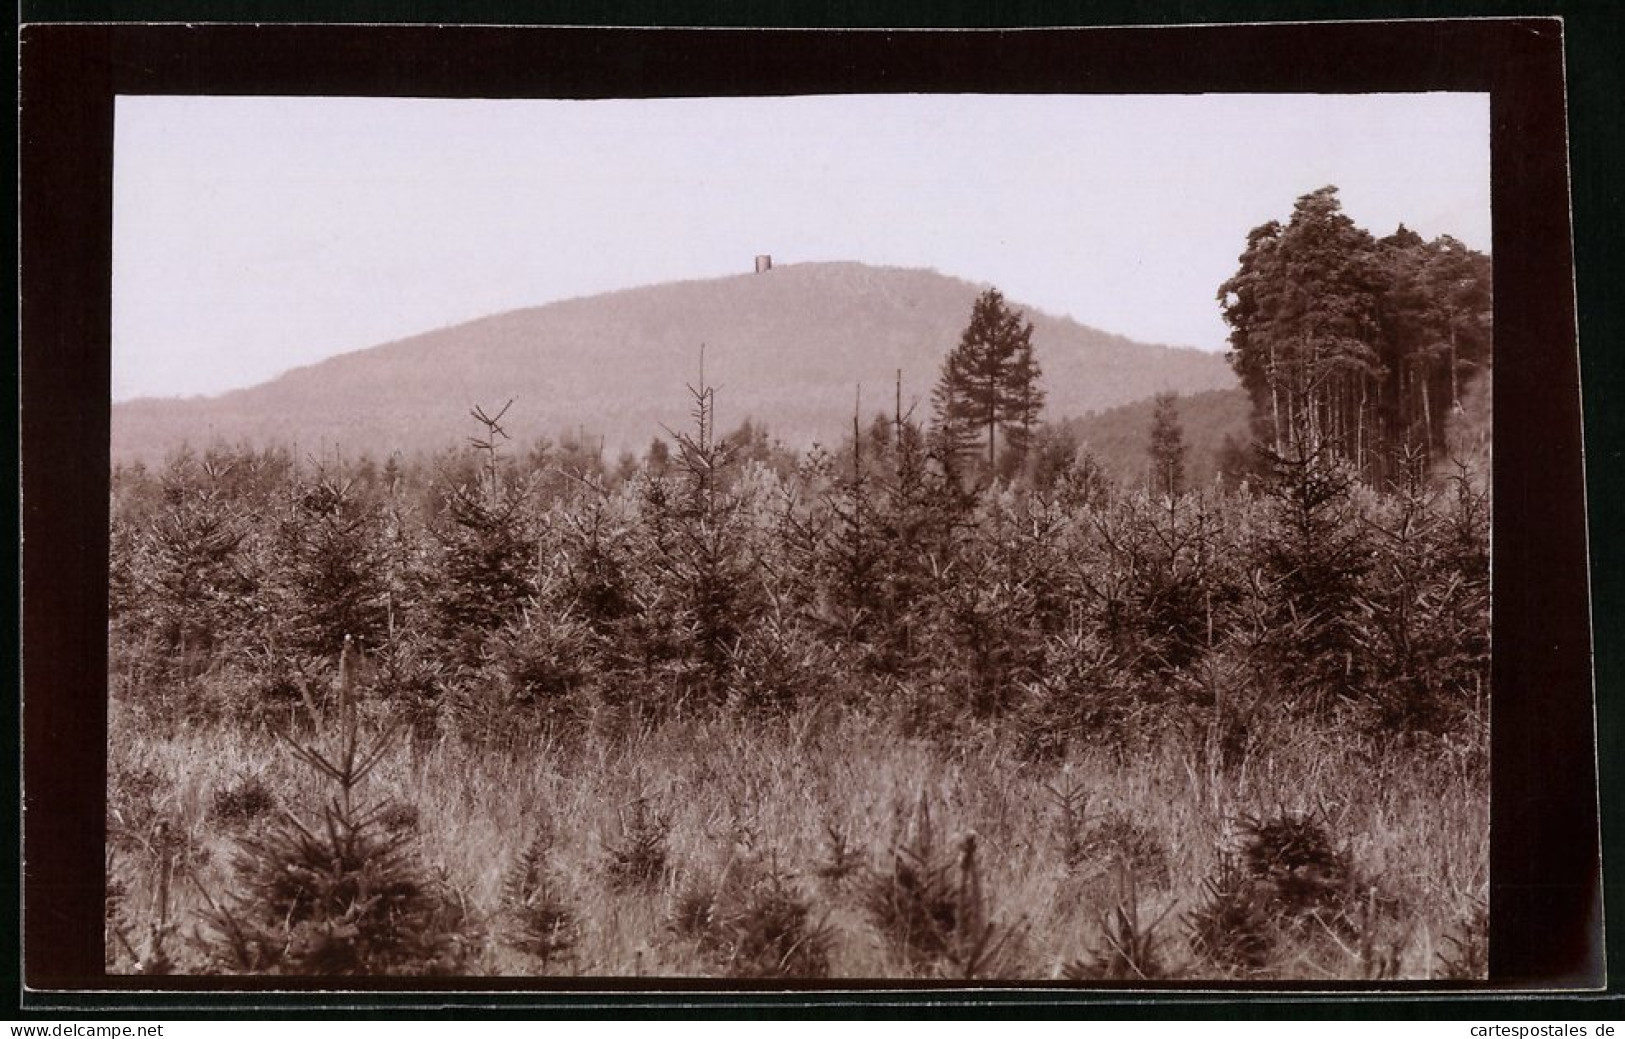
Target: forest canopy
1356, 345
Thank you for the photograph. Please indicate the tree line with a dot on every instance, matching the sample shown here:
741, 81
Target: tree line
1359, 346
1356, 347
871, 579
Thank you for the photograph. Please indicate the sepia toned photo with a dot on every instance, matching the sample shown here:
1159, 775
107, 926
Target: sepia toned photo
849, 538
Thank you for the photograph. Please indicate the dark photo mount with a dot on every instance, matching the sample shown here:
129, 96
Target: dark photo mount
1545, 880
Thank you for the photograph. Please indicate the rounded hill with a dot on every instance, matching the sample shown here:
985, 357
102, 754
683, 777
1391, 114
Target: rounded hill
788, 347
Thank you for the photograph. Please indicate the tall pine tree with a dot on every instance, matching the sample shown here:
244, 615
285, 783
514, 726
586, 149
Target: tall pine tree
990, 381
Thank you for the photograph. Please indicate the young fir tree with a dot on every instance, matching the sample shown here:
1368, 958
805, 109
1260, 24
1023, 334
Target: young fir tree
989, 381
331, 583
486, 551
192, 583
1167, 446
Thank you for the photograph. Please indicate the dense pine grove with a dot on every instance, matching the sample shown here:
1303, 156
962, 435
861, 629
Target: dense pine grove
1363, 344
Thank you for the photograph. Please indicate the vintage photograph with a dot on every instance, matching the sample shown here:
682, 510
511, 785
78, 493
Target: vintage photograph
972, 538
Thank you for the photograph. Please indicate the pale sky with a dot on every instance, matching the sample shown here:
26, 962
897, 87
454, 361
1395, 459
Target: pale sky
254, 235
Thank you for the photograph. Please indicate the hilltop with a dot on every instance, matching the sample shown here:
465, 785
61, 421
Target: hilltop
788, 347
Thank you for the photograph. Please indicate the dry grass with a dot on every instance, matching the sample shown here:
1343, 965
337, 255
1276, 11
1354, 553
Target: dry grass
636, 824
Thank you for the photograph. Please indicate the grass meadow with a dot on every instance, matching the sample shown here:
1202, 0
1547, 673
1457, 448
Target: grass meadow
647, 846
